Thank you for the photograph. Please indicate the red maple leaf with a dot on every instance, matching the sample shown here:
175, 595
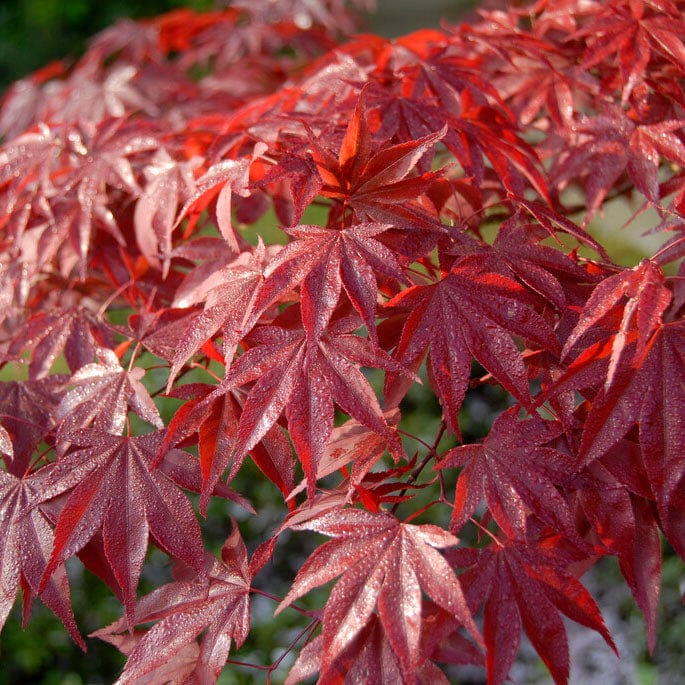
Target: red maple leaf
524, 585
323, 261
6, 446
369, 658
26, 165
169, 184
635, 32
99, 159
304, 375
612, 142
366, 175
215, 187
420, 184
469, 314
650, 393
26, 539
215, 420
162, 332
517, 249
47, 334
111, 488
542, 81
444, 88
626, 524
101, 395
383, 562
644, 298
352, 442
517, 473
230, 296
27, 415
218, 604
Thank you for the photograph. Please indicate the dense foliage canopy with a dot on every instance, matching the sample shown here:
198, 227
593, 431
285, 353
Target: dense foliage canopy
241, 236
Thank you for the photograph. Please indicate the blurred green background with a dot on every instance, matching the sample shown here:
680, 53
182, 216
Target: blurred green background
35, 32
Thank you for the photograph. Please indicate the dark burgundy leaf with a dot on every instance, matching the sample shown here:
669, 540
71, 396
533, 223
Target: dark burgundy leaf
27, 415
516, 473
525, 586
458, 321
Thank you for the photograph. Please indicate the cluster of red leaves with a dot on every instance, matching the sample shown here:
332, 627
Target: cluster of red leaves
127, 181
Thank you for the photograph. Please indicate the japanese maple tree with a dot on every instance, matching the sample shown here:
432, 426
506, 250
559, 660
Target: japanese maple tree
247, 235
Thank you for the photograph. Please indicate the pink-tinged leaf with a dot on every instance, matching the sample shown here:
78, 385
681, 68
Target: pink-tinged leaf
218, 182
351, 442
208, 255
28, 158
376, 554
216, 603
611, 143
26, 539
160, 332
74, 332
101, 394
6, 446
101, 158
175, 670
229, 306
111, 488
277, 367
168, 185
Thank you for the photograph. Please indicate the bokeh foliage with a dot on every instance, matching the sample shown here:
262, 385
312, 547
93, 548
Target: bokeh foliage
35, 32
